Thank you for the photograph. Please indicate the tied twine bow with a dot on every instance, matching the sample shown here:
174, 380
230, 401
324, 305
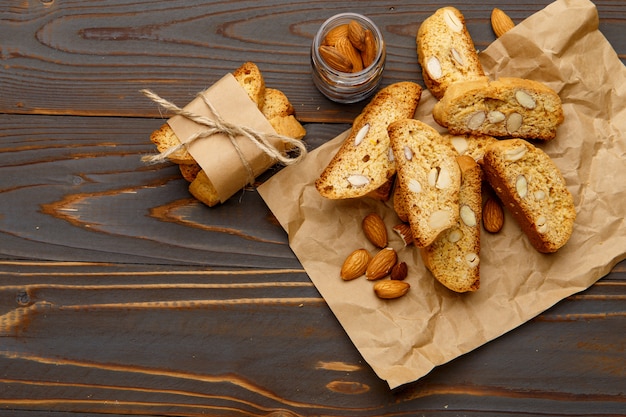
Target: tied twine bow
217, 125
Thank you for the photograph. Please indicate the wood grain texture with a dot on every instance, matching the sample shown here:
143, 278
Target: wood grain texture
67, 58
121, 295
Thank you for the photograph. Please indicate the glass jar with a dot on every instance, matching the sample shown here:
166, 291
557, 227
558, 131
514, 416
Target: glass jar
347, 87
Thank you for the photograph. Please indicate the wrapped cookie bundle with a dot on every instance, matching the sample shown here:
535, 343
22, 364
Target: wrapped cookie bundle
229, 134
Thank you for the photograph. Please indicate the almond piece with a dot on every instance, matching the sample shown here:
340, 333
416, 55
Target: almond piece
515, 154
521, 186
404, 231
361, 134
433, 67
375, 230
500, 22
455, 235
495, 116
472, 259
453, 22
355, 264
335, 59
525, 99
381, 264
345, 47
368, 55
514, 122
358, 180
457, 57
439, 219
432, 176
460, 144
541, 224
444, 179
476, 120
335, 34
415, 186
399, 271
356, 34
389, 289
467, 215
493, 216
408, 153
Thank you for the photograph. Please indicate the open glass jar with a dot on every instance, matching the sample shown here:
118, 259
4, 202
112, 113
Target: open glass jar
344, 86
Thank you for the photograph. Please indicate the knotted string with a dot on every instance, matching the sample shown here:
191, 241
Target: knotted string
217, 125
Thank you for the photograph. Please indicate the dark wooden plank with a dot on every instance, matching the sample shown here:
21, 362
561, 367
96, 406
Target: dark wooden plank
71, 59
185, 341
74, 188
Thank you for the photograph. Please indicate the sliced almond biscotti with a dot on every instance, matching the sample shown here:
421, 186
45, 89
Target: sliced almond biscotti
249, 76
454, 257
364, 161
533, 189
507, 107
429, 178
446, 51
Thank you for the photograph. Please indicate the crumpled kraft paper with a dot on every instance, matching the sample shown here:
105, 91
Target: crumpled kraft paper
404, 339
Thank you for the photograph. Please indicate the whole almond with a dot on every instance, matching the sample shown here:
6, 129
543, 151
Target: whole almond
493, 216
381, 264
356, 34
389, 289
335, 34
399, 271
500, 22
335, 59
368, 55
375, 230
345, 47
355, 264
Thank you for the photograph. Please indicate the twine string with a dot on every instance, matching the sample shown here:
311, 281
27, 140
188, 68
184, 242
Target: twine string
217, 125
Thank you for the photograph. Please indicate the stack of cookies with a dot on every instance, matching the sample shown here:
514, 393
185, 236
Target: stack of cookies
439, 177
274, 105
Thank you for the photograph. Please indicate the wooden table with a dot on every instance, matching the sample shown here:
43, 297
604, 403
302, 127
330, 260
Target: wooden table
121, 295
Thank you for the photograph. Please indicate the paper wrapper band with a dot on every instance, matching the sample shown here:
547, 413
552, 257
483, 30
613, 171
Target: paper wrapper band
227, 135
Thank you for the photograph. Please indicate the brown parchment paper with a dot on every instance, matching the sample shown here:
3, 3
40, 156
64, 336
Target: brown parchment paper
216, 155
404, 339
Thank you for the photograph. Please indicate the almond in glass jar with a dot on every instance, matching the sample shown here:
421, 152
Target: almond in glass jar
348, 58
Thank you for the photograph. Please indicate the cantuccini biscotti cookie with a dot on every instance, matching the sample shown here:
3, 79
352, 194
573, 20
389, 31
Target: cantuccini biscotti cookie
454, 257
446, 51
203, 189
398, 203
249, 76
429, 178
472, 145
279, 111
189, 171
533, 189
507, 107
364, 161
274, 105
